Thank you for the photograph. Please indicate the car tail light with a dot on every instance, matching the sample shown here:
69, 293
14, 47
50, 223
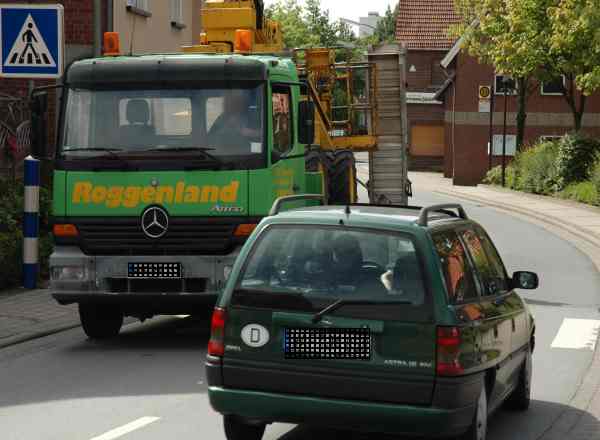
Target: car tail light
216, 344
448, 351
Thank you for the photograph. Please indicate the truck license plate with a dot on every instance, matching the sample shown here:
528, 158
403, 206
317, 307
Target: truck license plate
154, 270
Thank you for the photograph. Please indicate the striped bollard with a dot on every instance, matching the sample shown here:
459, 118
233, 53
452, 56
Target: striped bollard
31, 221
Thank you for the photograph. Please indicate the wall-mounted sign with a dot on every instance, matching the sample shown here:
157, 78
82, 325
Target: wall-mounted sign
511, 144
485, 94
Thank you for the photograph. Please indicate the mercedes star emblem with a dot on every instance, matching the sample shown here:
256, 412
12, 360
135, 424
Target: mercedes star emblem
155, 222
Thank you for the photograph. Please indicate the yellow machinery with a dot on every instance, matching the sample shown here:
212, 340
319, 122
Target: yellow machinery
344, 93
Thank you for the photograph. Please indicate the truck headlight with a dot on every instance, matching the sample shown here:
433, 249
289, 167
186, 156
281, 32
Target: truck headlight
69, 273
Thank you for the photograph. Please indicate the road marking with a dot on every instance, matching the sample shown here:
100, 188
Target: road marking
577, 334
126, 429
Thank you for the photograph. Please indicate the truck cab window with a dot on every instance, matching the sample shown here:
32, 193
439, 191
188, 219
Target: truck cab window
282, 120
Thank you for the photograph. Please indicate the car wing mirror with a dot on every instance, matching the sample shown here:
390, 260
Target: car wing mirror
525, 280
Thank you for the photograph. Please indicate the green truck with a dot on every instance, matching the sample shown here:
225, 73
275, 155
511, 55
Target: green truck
164, 166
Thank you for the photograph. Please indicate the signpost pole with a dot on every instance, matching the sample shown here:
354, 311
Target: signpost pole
505, 84
491, 150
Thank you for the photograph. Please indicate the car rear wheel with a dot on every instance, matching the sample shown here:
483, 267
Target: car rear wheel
100, 322
237, 429
520, 398
478, 429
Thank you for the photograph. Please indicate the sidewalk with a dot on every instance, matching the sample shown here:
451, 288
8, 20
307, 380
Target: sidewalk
30, 314
577, 223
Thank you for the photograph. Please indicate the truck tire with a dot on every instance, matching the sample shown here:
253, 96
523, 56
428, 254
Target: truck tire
342, 178
236, 429
100, 322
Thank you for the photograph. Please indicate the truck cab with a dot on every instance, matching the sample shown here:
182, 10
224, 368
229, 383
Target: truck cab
165, 164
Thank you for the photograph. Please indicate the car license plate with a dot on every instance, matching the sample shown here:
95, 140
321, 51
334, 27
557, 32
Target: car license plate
327, 343
154, 270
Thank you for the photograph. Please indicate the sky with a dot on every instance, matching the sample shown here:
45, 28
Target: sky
351, 9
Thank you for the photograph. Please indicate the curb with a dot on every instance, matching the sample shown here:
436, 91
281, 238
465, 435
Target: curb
41, 334
589, 387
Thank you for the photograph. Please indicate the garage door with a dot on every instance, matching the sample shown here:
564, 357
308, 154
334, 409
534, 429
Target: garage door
427, 140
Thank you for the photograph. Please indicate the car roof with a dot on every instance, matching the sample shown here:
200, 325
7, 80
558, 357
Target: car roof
363, 215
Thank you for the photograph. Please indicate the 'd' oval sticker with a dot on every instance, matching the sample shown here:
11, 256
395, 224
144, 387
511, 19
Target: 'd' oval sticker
255, 335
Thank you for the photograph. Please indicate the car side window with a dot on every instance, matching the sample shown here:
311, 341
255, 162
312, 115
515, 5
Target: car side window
492, 281
496, 265
456, 268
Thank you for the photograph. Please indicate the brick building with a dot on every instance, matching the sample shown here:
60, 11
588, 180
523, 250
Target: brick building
154, 26
450, 114
423, 28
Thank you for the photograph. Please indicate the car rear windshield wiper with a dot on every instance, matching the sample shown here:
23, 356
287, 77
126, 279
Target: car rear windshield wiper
204, 151
342, 302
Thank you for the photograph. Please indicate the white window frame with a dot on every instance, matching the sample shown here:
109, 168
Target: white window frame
497, 93
176, 13
139, 7
564, 79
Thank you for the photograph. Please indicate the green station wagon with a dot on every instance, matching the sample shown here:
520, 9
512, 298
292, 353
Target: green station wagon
397, 320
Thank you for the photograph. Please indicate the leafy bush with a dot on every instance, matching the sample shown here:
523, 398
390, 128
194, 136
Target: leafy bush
595, 177
537, 172
11, 237
584, 192
494, 176
576, 156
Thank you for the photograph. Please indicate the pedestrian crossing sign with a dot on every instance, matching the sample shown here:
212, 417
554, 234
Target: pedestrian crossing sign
32, 41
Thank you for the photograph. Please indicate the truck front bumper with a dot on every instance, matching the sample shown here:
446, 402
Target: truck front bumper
76, 277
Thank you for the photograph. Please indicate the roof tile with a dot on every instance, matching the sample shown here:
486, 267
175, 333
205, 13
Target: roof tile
423, 24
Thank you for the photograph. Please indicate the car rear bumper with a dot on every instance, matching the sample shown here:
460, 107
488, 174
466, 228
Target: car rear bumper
347, 414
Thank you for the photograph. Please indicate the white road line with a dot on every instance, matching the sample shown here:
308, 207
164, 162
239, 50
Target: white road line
577, 334
126, 429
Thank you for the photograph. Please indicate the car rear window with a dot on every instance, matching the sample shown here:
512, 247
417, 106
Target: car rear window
307, 267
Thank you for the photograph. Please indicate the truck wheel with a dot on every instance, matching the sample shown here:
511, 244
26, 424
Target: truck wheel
100, 322
520, 398
342, 178
478, 429
236, 429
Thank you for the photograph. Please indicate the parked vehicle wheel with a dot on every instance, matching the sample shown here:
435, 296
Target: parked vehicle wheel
520, 398
478, 429
342, 178
100, 322
236, 429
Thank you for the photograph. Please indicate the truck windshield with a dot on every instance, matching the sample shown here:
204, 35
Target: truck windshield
226, 123
326, 264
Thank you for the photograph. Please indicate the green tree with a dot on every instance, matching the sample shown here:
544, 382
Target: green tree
575, 50
385, 32
296, 32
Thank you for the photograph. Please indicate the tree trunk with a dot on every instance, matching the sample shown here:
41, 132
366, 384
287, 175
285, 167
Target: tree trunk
523, 91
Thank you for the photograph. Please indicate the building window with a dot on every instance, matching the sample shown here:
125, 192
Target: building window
177, 14
554, 87
499, 85
140, 7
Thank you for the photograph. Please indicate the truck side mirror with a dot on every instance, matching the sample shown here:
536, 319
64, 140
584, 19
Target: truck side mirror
39, 126
306, 123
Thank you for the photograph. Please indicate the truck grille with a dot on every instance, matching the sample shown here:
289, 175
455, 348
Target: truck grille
185, 236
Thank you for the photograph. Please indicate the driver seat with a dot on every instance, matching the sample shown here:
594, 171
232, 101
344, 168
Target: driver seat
139, 130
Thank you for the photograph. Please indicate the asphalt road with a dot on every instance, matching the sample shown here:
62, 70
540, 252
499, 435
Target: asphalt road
149, 383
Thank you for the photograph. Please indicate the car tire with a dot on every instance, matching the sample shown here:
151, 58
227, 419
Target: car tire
520, 398
478, 428
100, 322
236, 429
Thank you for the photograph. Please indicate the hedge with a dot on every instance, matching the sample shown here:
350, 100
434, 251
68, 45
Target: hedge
11, 237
